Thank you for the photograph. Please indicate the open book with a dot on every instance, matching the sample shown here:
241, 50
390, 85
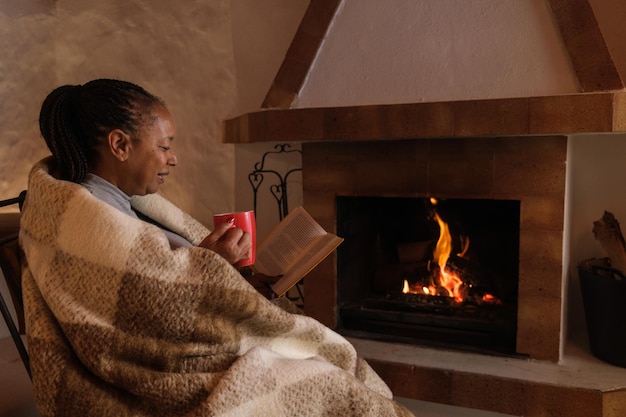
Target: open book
293, 248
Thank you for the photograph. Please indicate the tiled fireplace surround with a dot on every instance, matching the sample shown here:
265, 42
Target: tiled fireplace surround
531, 170
493, 149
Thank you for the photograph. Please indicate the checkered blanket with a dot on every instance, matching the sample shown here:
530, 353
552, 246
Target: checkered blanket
119, 324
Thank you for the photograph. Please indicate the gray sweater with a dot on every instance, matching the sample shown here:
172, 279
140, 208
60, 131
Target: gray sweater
112, 195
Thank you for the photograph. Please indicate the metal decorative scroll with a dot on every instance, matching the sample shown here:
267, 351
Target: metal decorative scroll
278, 190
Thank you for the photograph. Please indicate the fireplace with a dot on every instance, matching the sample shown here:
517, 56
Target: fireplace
527, 171
437, 272
497, 150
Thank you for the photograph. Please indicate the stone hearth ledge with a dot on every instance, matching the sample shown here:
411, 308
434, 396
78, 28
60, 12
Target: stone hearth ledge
603, 112
580, 385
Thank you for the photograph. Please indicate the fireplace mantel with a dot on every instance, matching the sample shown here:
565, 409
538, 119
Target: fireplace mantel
603, 112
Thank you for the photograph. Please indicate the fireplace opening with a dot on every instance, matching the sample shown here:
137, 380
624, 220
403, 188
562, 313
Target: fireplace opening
427, 271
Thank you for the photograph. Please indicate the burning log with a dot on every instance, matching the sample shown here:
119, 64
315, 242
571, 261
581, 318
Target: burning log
607, 231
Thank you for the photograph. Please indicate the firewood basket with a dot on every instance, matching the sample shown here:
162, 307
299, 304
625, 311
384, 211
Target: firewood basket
604, 301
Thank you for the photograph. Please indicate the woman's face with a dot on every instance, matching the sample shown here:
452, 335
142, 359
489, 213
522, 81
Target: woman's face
151, 155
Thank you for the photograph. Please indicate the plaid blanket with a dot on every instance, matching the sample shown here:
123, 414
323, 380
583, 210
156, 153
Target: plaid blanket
119, 324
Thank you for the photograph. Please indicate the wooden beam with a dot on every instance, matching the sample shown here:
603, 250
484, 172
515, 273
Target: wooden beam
301, 54
586, 45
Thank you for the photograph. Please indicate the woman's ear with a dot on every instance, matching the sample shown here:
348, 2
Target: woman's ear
119, 144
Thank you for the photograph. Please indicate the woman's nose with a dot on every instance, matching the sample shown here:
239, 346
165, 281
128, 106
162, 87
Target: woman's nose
172, 160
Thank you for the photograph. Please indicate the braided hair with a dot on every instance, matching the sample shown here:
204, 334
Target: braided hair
75, 119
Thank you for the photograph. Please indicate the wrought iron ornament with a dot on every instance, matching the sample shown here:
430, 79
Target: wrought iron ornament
279, 192
279, 189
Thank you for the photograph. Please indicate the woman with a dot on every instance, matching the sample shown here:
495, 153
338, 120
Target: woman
134, 308
118, 132
115, 138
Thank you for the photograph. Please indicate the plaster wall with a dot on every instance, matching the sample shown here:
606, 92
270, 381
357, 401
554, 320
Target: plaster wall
182, 54
438, 50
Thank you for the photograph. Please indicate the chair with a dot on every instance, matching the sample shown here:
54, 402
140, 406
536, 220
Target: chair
10, 263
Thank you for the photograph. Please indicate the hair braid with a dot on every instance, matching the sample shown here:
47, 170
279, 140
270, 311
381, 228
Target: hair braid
57, 126
75, 119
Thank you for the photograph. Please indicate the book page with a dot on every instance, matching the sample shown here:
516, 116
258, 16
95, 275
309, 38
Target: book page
316, 253
294, 247
286, 242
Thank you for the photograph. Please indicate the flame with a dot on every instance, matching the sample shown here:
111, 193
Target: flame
445, 278
450, 281
444, 244
405, 288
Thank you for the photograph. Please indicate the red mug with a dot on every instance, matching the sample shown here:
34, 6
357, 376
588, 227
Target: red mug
244, 220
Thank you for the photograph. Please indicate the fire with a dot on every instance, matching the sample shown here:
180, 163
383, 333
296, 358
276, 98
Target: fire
406, 289
446, 282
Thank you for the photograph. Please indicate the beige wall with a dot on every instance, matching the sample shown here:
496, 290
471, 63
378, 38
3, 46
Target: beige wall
183, 54
26, 72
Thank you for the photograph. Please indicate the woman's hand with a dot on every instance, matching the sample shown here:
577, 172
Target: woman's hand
232, 243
